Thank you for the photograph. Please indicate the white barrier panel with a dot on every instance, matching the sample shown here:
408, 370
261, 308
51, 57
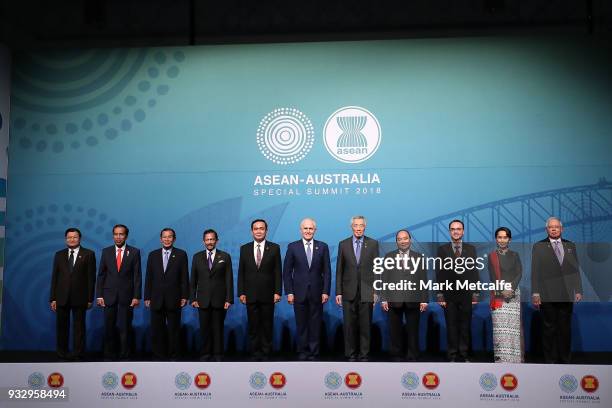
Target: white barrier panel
293, 384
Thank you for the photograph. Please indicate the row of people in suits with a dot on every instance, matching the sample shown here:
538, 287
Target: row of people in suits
306, 275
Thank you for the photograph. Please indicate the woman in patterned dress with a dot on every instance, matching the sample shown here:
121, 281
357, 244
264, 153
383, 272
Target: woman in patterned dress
505, 264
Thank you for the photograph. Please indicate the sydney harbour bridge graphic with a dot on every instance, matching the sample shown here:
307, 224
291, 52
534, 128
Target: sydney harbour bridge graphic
33, 234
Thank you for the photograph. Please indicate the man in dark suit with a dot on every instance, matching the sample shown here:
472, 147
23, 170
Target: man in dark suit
259, 287
457, 263
307, 278
212, 293
118, 291
166, 292
404, 344
354, 290
555, 286
72, 291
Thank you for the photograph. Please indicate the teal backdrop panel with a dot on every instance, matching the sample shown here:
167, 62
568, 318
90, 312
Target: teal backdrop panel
409, 133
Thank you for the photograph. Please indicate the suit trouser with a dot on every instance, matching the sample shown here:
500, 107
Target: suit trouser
458, 328
260, 320
308, 318
119, 316
410, 332
165, 322
211, 331
357, 317
62, 324
557, 331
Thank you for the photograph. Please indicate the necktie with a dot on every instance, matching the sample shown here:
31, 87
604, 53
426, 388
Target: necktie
258, 259
358, 250
308, 253
71, 260
457, 251
119, 259
210, 260
558, 252
166, 256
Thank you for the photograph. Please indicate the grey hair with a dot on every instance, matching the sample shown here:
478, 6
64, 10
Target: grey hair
359, 217
553, 219
308, 219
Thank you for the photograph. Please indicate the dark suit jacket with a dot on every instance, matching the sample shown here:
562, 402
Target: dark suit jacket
398, 298
212, 287
352, 277
260, 285
450, 275
554, 282
166, 289
76, 288
119, 286
298, 277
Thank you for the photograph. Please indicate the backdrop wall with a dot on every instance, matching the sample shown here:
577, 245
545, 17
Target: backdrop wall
495, 131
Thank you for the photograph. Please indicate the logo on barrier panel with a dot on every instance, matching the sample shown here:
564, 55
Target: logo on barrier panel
488, 382
431, 380
333, 380
568, 383
202, 380
110, 381
55, 380
182, 381
509, 382
278, 380
589, 383
129, 380
352, 380
36, 380
410, 381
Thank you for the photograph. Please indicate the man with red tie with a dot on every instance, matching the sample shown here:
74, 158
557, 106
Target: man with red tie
118, 291
259, 288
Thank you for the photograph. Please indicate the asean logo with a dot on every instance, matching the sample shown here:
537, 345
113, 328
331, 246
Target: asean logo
55, 380
352, 380
36, 380
410, 381
258, 380
129, 380
110, 381
333, 380
509, 382
568, 383
285, 136
182, 381
431, 381
278, 380
352, 134
589, 383
488, 381
202, 380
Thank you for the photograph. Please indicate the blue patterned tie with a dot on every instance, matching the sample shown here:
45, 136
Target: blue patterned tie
558, 252
210, 260
358, 250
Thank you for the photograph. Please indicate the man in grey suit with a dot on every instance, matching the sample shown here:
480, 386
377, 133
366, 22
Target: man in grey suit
555, 286
354, 290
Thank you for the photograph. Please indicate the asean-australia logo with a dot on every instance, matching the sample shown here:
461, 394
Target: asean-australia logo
352, 134
285, 136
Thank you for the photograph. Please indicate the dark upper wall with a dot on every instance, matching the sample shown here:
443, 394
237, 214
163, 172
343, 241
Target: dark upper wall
28, 24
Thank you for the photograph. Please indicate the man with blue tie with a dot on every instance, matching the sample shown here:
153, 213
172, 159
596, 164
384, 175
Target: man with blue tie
166, 292
118, 289
354, 289
307, 278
